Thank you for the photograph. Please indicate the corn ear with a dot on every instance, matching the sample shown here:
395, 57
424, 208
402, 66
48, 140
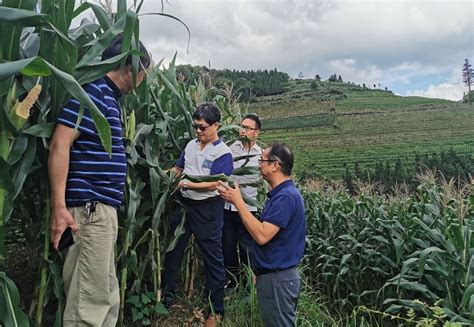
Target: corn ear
23, 108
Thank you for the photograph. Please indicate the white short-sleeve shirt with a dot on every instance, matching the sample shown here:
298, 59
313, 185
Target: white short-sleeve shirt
238, 150
200, 163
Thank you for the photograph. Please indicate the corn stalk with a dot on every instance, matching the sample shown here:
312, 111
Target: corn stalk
39, 49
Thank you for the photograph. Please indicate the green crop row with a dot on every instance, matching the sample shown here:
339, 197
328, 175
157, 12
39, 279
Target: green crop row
293, 122
384, 254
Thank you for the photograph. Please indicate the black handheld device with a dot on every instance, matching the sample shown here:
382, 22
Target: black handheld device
66, 240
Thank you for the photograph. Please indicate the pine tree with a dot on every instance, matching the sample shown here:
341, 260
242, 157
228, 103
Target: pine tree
357, 170
467, 74
347, 179
398, 173
378, 172
387, 174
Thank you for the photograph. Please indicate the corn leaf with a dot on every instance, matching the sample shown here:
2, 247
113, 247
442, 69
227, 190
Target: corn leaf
246, 171
41, 130
424, 256
178, 232
206, 178
10, 311
467, 297
37, 65
93, 71
99, 13
98, 45
21, 17
5, 179
19, 173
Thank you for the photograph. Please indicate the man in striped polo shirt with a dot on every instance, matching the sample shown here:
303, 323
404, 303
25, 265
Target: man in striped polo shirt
206, 155
87, 187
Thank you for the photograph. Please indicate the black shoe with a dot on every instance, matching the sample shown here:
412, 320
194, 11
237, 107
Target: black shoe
167, 300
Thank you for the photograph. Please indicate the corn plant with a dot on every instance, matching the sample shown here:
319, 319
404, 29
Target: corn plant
383, 253
41, 53
159, 126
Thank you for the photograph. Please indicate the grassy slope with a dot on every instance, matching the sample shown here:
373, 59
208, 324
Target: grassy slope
372, 125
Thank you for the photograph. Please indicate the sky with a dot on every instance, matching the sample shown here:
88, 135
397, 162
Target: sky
414, 47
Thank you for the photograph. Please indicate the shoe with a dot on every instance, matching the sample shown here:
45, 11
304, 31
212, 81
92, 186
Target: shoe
213, 320
167, 301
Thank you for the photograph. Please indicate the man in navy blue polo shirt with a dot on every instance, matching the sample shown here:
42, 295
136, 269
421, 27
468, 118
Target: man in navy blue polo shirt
87, 187
279, 235
206, 155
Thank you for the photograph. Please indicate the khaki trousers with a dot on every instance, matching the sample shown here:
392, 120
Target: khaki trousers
90, 281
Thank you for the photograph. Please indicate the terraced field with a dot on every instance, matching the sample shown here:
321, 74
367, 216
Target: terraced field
372, 126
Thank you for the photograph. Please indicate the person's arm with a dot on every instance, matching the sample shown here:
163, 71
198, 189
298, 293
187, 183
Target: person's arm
58, 167
261, 232
177, 170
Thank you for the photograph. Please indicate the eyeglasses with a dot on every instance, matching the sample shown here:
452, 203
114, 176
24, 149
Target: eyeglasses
263, 160
201, 127
248, 128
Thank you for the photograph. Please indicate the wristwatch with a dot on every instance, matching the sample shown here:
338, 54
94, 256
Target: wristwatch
185, 184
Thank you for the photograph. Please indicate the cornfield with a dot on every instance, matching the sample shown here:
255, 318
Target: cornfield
43, 62
384, 252
372, 251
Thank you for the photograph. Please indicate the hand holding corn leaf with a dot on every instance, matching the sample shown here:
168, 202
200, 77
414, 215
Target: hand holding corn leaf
230, 182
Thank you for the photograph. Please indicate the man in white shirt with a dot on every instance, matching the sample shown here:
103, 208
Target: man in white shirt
206, 155
234, 233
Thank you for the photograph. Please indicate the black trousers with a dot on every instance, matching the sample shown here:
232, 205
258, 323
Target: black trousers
205, 221
235, 234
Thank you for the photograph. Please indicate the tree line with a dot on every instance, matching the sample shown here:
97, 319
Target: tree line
447, 165
247, 83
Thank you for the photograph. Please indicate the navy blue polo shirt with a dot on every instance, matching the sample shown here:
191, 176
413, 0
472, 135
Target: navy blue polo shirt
285, 209
93, 175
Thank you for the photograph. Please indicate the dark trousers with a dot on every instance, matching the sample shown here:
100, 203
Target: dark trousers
278, 295
205, 221
235, 234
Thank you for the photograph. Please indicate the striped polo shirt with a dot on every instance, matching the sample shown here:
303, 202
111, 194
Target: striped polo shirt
93, 175
215, 158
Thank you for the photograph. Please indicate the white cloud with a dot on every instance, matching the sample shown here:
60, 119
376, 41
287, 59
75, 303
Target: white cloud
442, 91
452, 89
397, 43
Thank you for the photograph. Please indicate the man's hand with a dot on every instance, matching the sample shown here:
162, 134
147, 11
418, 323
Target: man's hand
230, 194
60, 220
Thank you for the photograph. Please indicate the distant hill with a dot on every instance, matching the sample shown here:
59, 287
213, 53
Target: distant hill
333, 124
303, 99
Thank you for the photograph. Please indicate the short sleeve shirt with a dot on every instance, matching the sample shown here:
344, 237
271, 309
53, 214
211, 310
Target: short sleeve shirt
93, 174
238, 150
215, 158
285, 209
